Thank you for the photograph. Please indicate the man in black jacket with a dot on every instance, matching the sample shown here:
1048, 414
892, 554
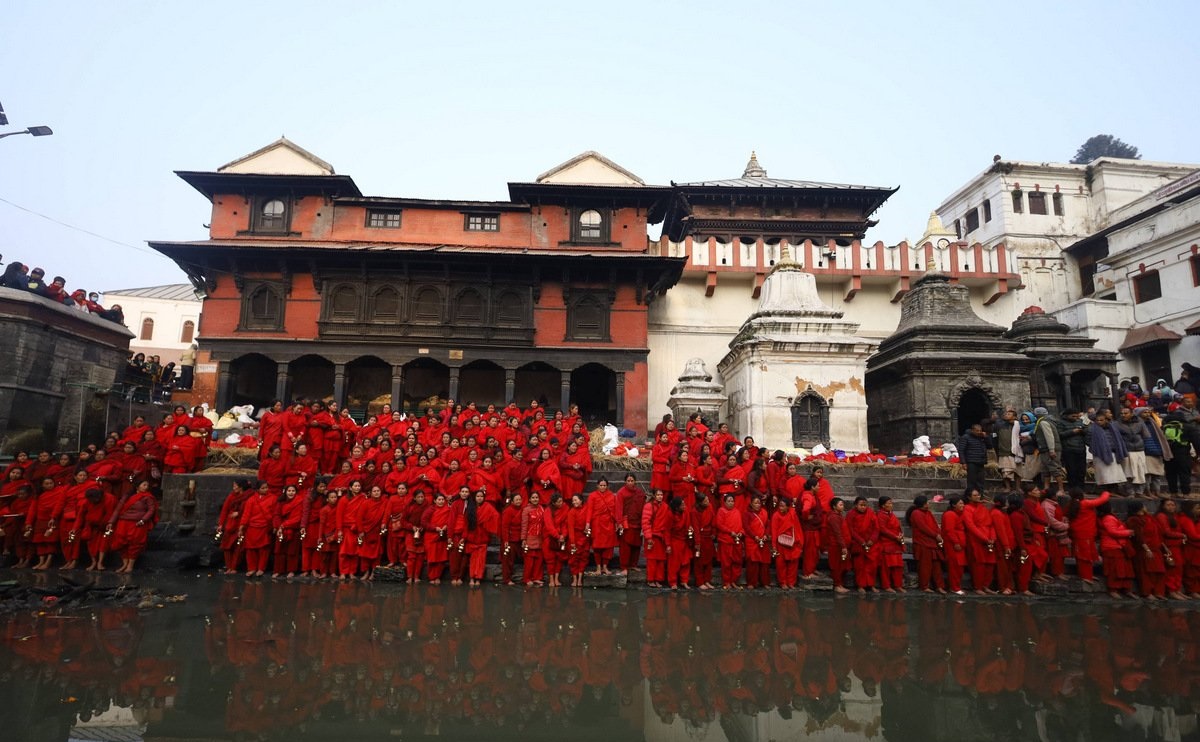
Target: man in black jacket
973, 451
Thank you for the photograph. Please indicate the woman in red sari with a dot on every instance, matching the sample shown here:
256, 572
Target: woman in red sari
14, 511
483, 522
1149, 558
656, 522
397, 504
254, 529
579, 545
414, 542
891, 546
603, 520
131, 522
435, 528
837, 543
370, 525
661, 456
732, 481
41, 530
1170, 524
631, 500
547, 479
181, 452
325, 557
731, 530
758, 547
554, 547
575, 466
510, 538
683, 479
928, 546
1190, 523
864, 540
955, 534
286, 524
1116, 549
67, 516
347, 511
787, 539
310, 530
981, 542
1084, 528
270, 429
681, 536
302, 470
704, 521
97, 509
533, 536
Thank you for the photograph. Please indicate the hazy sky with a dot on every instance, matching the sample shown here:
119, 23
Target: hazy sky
454, 100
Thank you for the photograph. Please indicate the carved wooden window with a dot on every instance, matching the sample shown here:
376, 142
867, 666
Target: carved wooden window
188, 332
469, 308
147, 329
386, 303
1037, 203
481, 222
1018, 199
510, 309
262, 307
427, 306
588, 318
810, 421
343, 304
381, 219
972, 220
590, 225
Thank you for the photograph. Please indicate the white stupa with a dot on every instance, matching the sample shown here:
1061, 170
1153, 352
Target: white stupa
794, 372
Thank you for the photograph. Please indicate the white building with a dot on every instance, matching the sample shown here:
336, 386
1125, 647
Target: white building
1038, 209
1140, 282
163, 319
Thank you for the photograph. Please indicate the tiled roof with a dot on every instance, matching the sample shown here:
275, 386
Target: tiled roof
169, 292
755, 182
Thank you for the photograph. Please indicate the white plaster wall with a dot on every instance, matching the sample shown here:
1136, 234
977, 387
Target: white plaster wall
591, 170
278, 161
168, 317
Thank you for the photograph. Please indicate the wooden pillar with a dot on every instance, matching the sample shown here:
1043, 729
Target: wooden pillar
281, 383
397, 388
620, 399
510, 385
454, 383
224, 385
565, 399
339, 384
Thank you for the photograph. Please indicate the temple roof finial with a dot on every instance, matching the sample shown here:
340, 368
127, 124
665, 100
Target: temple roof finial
753, 169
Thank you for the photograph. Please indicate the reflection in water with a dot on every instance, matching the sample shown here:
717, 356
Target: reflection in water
256, 660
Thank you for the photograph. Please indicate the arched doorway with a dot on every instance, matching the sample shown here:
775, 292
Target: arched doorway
252, 380
312, 378
594, 389
426, 383
973, 407
539, 381
810, 420
368, 386
481, 382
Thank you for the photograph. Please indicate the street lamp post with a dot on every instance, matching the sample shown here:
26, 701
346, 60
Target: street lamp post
37, 131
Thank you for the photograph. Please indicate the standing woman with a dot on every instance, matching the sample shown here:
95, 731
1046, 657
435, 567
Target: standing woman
370, 527
661, 456
864, 536
310, 528
680, 545
1190, 523
554, 546
41, 529
891, 542
758, 547
414, 543
270, 428
787, 539
1116, 548
131, 522
730, 531
631, 500
1170, 523
1149, 563
325, 558
683, 479
812, 521
928, 546
97, 509
656, 523
705, 525
533, 532
435, 526
254, 529
981, 542
483, 522
837, 543
227, 524
575, 466
547, 480
579, 545
603, 518
955, 534
510, 538
287, 524
1084, 528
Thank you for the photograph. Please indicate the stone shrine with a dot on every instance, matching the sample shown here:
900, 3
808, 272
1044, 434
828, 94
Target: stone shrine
1071, 372
696, 392
794, 372
942, 370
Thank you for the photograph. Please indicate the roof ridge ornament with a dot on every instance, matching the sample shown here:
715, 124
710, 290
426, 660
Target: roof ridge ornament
753, 169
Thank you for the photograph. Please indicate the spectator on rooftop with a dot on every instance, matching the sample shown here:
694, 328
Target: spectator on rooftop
14, 277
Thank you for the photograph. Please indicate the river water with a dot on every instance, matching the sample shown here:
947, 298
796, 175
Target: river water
260, 660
